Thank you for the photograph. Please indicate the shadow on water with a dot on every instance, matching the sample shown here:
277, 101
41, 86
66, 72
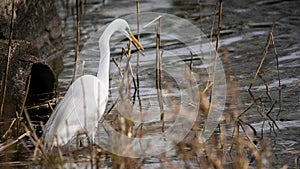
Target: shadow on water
245, 30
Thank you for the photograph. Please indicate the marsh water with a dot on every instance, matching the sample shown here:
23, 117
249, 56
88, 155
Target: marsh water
245, 30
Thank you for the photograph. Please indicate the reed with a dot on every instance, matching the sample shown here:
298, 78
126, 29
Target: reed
138, 56
77, 45
9, 55
159, 73
212, 83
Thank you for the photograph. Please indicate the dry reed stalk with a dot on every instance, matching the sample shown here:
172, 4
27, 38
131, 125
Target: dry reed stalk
237, 142
120, 123
139, 130
244, 141
2, 148
126, 73
210, 84
159, 73
138, 55
134, 82
297, 162
10, 126
264, 55
211, 41
38, 144
215, 56
259, 66
127, 69
9, 55
78, 18
129, 124
219, 25
266, 115
105, 115
118, 66
124, 126
278, 73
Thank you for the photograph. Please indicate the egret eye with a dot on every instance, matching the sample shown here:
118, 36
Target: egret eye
128, 30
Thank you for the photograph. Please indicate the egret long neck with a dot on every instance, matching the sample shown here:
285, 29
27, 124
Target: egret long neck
103, 69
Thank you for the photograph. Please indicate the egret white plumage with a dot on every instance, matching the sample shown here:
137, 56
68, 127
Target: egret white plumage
85, 101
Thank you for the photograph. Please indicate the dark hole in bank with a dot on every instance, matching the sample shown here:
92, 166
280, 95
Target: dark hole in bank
42, 85
41, 92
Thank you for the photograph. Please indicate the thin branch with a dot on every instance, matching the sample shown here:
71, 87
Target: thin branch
9, 55
27, 133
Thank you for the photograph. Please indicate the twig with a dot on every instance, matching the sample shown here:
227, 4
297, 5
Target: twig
27, 133
259, 66
118, 66
11, 124
266, 86
248, 108
157, 18
240, 123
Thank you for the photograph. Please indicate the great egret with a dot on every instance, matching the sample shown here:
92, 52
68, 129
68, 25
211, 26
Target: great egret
85, 101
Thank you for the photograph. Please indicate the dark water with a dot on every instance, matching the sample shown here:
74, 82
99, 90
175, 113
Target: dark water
245, 30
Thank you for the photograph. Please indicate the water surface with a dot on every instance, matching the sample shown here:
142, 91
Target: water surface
245, 30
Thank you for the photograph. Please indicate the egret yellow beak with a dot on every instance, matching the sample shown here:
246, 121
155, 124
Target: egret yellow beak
136, 42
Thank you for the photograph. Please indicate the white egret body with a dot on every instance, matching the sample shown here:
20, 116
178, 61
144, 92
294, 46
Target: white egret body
85, 101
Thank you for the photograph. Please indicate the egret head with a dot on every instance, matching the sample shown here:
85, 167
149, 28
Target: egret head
124, 28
